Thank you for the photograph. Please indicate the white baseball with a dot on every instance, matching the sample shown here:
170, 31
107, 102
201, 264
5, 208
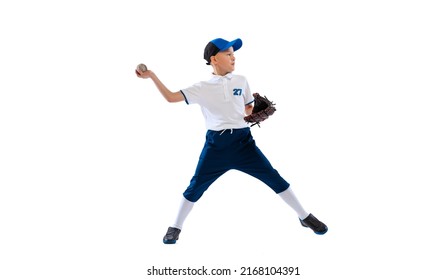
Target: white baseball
142, 67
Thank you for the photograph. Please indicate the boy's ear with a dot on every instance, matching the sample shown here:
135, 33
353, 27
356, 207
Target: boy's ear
213, 59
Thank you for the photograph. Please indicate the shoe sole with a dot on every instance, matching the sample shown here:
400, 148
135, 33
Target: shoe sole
316, 232
169, 241
321, 232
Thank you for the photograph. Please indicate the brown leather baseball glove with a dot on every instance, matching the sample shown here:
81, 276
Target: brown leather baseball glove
262, 110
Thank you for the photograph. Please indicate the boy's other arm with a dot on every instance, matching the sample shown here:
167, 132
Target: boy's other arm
248, 109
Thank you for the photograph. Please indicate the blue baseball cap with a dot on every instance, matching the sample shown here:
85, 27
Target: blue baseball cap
219, 44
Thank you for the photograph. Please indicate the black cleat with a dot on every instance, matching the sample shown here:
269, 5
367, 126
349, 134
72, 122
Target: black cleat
314, 224
171, 235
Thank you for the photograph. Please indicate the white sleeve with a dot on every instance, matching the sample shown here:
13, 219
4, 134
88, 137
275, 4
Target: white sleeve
192, 93
248, 97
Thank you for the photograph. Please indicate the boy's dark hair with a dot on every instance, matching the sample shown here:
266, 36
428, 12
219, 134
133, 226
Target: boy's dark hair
210, 50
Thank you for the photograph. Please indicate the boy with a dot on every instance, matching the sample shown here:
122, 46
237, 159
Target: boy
225, 99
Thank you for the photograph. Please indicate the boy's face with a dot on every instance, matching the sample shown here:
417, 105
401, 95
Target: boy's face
224, 61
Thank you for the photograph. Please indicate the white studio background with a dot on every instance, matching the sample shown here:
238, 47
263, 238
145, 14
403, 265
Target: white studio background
93, 161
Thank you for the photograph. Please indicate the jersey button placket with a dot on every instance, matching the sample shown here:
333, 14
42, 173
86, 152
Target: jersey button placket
225, 89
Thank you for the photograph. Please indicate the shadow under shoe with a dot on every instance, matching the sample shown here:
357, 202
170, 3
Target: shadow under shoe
314, 224
171, 235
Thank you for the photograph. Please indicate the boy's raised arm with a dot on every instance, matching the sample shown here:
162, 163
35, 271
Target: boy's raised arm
167, 94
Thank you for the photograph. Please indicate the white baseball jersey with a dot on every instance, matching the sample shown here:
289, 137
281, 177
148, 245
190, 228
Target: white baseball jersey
222, 100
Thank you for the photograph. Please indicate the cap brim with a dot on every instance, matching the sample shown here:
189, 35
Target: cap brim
236, 44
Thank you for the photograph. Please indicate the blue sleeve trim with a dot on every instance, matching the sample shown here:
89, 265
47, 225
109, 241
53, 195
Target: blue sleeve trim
184, 96
250, 102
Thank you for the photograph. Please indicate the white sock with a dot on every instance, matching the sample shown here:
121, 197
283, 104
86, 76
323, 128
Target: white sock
289, 197
184, 209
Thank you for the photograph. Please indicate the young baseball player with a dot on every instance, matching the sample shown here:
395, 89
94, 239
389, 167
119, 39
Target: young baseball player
225, 99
